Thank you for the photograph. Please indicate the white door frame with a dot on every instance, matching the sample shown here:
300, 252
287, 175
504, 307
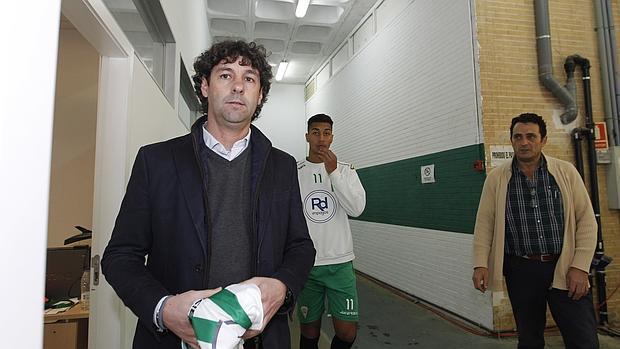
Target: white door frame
95, 23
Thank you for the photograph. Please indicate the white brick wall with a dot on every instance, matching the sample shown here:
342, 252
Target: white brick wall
409, 92
432, 265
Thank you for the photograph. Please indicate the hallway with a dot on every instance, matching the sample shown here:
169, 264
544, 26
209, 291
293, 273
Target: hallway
390, 321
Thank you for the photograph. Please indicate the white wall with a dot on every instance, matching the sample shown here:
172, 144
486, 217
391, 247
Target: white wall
73, 150
411, 91
28, 71
151, 118
189, 26
430, 264
283, 119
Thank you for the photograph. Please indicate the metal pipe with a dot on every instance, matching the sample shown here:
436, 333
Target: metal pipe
571, 85
576, 133
545, 65
614, 82
599, 253
608, 96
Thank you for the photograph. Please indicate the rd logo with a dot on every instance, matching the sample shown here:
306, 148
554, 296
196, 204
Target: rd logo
320, 206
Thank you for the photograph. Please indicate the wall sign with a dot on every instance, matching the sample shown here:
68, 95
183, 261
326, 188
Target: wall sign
427, 173
501, 154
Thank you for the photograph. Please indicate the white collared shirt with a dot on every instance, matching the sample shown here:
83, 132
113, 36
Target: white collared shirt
215, 145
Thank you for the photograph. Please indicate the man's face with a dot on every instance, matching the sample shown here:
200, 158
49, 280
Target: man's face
319, 137
233, 91
527, 141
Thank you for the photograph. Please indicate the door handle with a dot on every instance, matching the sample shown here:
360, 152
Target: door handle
95, 264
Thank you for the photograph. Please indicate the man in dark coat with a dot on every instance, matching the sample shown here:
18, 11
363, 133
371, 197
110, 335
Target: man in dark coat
214, 207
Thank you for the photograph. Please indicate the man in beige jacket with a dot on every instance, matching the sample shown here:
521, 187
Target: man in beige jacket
535, 226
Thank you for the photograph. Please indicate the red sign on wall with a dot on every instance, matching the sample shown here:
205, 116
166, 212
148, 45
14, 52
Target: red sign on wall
600, 135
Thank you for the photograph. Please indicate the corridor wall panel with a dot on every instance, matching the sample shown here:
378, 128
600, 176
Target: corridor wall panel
409, 98
411, 91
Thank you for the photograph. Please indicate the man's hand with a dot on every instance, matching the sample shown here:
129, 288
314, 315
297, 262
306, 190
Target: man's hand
577, 283
481, 278
175, 313
329, 160
273, 292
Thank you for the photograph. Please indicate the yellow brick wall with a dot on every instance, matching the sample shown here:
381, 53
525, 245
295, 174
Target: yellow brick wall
510, 86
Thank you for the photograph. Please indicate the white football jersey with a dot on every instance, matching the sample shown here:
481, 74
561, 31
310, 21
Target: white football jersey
327, 200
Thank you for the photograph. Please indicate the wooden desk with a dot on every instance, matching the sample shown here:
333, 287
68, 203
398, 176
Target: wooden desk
66, 330
76, 312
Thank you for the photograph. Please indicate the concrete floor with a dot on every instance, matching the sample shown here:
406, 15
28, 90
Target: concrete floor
390, 321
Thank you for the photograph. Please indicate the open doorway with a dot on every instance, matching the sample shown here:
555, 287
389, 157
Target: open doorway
71, 188
75, 127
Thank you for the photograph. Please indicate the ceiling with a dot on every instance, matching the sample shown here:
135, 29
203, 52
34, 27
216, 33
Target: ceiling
304, 42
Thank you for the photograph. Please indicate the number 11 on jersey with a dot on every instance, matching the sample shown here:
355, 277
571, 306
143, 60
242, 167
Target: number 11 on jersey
317, 178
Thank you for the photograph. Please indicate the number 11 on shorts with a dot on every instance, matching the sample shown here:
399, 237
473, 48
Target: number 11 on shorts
349, 303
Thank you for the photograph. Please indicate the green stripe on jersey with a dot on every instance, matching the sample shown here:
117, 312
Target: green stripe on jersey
229, 303
205, 329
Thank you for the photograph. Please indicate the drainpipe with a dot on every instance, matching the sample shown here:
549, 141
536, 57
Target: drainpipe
600, 261
616, 82
577, 134
545, 66
607, 52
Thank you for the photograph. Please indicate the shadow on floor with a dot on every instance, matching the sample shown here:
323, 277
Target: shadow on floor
390, 321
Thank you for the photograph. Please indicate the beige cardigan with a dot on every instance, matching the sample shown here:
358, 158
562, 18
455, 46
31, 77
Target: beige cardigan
579, 223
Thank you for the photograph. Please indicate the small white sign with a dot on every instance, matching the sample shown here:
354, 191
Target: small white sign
501, 154
427, 173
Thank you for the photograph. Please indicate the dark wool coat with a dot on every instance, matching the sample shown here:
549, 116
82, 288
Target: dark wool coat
163, 216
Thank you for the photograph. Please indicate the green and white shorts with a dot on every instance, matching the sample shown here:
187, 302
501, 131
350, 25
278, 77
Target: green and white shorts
337, 283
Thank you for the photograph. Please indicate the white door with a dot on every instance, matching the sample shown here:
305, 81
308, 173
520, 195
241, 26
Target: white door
28, 71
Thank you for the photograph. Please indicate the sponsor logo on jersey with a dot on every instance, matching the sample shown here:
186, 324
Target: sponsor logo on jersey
320, 206
304, 311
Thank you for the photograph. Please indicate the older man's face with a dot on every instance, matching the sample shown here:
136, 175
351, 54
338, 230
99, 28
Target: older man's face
527, 141
233, 91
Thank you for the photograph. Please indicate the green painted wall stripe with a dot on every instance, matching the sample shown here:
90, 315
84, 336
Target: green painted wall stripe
395, 194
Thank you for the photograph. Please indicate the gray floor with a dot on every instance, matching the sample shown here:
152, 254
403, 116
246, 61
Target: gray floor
390, 321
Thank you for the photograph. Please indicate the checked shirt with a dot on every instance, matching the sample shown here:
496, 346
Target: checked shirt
534, 213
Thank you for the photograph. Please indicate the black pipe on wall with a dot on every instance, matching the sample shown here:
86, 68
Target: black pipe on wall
577, 134
600, 261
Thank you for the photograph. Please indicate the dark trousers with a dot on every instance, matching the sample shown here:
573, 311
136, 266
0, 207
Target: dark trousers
529, 288
253, 343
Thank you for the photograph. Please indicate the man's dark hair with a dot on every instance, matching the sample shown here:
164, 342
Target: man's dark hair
320, 118
531, 118
228, 52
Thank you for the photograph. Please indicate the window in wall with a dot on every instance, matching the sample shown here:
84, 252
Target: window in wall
323, 76
189, 105
388, 10
340, 58
310, 89
363, 34
145, 25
